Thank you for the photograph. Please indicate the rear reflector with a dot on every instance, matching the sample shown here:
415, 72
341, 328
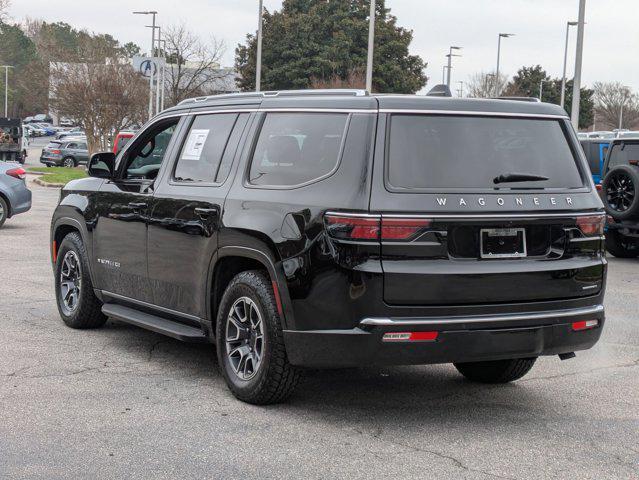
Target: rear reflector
410, 337
599, 187
17, 173
584, 325
402, 228
592, 226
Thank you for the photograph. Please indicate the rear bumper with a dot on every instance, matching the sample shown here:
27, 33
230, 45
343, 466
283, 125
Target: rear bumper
460, 339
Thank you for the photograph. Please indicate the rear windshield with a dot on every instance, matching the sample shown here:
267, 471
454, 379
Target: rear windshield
447, 151
623, 153
53, 145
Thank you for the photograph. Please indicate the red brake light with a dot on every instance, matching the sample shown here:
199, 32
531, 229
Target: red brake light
584, 325
353, 228
592, 226
402, 228
599, 187
17, 173
57, 152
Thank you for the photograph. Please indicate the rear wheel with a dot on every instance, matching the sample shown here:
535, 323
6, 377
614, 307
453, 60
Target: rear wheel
76, 301
4, 211
250, 346
497, 371
68, 162
621, 192
620, 246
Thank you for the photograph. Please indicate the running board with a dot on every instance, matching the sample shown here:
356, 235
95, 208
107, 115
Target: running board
154, 323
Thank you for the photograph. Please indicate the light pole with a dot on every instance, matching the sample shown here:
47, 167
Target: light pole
450, 58
154, 13
6, 88
541, 87
163, 75
371, 45
576, 85
461, 88
258, 61
444, 74
157, 90
501, 35
563, 77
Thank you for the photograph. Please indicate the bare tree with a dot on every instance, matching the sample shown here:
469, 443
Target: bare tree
615, 102
482, 85
193, 67
103, 94
4, 10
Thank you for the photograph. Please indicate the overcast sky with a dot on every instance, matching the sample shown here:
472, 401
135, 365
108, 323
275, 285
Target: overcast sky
611, 35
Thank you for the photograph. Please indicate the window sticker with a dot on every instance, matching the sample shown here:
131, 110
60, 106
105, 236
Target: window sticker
195, 144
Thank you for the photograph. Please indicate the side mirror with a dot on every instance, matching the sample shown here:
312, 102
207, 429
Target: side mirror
101, 165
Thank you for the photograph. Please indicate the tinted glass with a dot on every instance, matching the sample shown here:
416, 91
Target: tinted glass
592, 154
446, 151
82, 146
146, 157
295, 148
231, 147
203, 148
53, 145
71, 145
622, 154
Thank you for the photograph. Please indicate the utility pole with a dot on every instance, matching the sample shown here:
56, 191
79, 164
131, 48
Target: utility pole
258, 62
501, 35
163, 75
6, 88
563, 77
153, 27
461, 88
160, 79
444, 74
450, 65
620, 117
371, 45
576, 87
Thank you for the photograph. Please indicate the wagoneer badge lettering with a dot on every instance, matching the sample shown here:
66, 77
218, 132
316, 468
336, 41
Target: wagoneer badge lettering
505, 202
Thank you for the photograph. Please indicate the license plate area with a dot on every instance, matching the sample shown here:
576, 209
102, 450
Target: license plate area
502, 242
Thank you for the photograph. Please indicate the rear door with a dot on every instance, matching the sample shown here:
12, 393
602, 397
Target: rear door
186, 210
459, 229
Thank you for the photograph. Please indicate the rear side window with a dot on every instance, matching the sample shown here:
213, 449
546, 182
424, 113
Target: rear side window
592, 155
469, 152
623, 153
204, 147
53, 145
297, 148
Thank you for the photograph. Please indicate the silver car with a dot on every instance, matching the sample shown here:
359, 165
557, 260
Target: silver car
15, 197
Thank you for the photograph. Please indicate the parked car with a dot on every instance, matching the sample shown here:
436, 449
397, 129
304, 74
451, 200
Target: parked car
34, 131
75, 132
121, 139
48, 129
341, 229
65, 122
595, 150
15, 197
621, 197
628, 134
65, 153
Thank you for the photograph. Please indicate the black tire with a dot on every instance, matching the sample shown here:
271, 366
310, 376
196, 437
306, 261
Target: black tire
69, 162
621, 192
4, 211
86, 311
497, 371
621, 247
274, 379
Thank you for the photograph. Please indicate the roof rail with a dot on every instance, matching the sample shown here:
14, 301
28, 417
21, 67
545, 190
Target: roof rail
519, 99
281, 93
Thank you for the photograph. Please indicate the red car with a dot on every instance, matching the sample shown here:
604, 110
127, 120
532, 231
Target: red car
121, 139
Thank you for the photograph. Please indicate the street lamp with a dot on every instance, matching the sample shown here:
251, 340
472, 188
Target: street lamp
444, 74
163, 68
450, 57
461, 88
258, 61
563, 77
371, 45
541, 87
154, 13
501, 35
6, 87
576, 84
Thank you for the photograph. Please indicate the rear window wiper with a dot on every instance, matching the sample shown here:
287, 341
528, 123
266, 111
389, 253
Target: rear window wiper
518, 177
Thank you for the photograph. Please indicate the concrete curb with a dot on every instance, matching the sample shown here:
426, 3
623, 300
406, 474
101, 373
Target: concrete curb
37, 181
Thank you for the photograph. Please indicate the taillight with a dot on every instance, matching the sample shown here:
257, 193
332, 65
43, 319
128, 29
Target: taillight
592, 226
402, 228
17, 173
56, 152
352, 228
584, 325
599, 187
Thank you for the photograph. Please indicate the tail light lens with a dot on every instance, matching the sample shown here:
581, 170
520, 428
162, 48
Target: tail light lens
599, 187
584, 325
347, 227
592, 226
56, 152
17, 173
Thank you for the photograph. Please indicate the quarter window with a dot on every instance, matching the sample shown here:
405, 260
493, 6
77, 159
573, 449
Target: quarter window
296, 148
204, 148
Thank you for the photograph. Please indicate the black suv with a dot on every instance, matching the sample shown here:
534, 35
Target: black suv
621, 197
340, 229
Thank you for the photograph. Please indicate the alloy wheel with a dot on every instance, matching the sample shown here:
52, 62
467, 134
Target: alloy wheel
244, 338
69, 163
620, 192
2, 213
70, 282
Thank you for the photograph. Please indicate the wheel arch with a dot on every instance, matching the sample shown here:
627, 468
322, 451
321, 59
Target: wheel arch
5, 197
61, 228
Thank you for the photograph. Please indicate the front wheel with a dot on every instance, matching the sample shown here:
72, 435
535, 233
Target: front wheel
4, 211
621, 247
250, 345
76, 301
496, 371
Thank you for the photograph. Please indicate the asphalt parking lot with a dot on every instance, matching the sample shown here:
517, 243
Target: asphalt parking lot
121, 402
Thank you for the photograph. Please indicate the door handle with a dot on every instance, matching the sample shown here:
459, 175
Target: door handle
205, 212
137, 205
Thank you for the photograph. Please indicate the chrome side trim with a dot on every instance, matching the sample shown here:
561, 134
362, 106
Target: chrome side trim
473, 113
151, 305
389, 322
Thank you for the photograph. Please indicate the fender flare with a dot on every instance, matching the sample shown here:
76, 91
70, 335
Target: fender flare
274, 269
81, 228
